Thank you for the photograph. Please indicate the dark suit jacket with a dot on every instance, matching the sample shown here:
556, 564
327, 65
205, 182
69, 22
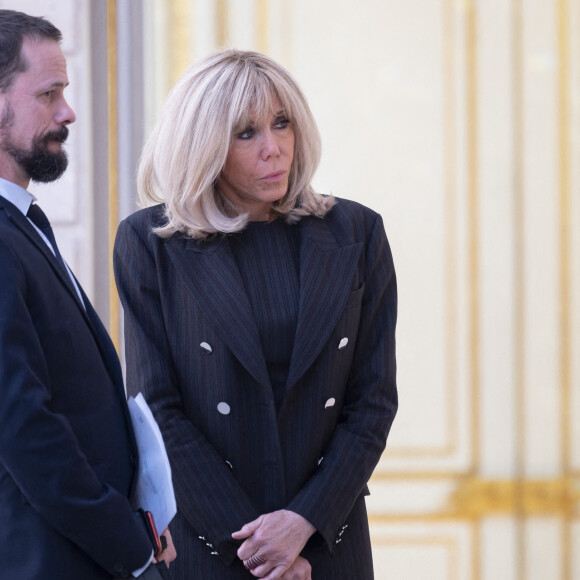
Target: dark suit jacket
67, 454
193, 348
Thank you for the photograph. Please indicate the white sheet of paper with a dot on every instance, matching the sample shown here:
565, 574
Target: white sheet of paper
154, 488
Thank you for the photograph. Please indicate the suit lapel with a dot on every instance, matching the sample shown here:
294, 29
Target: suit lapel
22, 223
112, 364
96, 327
210, 271
104, 343
326, 275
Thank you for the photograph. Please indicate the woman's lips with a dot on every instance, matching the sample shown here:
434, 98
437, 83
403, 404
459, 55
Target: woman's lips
274, 176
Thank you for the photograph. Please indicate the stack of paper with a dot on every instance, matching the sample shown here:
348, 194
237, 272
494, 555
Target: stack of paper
154, 488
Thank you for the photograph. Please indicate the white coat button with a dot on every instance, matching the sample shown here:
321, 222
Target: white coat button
223, 408
206, 346
330, 403
342, 343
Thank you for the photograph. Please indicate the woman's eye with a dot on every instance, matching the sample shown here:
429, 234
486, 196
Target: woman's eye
247, 134
282, 123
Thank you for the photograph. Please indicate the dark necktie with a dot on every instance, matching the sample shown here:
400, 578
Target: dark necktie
39, 219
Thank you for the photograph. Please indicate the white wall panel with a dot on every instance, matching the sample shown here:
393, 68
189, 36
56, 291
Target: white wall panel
496, 142
542, 254
414, 551
376, 86
544, 548
498, 549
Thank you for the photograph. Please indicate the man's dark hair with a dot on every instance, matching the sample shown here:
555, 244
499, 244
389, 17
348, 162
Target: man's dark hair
14, 28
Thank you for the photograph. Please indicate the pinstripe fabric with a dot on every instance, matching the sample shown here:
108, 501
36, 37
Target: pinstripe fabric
180, 295
267, 257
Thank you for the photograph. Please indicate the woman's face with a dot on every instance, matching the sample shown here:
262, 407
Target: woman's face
258, 164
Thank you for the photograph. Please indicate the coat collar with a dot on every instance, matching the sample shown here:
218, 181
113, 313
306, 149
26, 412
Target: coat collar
211, 272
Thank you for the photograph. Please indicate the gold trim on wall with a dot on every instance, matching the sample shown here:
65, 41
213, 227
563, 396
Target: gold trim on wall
179, 34
565, 208
474, 499
113, 217
262, 25
473, 245
471, 70
222, 19
449, 40
477, 498
565, 275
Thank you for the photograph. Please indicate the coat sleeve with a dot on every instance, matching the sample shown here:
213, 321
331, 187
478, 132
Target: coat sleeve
370, 402
207, 493
39, 449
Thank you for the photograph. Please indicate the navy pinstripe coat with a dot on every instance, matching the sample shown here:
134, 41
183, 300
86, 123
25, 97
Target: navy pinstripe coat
192, 345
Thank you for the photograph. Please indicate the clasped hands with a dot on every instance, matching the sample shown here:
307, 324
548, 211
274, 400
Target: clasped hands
272, 546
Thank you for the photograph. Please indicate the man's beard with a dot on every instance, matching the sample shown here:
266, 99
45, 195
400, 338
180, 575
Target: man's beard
38, 162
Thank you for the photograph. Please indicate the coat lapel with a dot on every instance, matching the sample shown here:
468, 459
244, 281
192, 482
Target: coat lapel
210, 271
104, 343
106, 347
326, 274
22, 223
326, 277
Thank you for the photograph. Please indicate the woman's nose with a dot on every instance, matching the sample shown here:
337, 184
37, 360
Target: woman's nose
270, 146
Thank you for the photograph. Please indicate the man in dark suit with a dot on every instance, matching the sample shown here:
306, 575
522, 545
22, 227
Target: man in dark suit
67, 448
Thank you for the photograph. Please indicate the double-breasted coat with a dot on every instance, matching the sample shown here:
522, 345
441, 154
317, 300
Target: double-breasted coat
193, 348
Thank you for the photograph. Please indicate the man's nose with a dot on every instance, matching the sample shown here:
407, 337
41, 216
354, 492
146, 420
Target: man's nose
65, 115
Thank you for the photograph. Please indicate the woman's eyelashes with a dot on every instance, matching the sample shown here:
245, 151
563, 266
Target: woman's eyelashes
281, 123
249, 132
246, 133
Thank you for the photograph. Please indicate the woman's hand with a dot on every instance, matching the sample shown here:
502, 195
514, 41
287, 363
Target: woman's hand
273, 542
300, 570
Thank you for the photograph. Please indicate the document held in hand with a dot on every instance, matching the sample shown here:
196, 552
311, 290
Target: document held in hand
154, 488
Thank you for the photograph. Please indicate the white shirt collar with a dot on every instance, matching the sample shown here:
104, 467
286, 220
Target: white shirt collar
16, 195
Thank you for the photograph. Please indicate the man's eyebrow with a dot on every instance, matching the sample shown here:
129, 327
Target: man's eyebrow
53, 85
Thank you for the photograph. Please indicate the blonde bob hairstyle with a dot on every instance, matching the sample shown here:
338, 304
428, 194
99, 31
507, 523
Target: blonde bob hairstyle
182, 159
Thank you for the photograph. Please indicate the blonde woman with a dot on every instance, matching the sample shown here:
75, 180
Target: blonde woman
260, 324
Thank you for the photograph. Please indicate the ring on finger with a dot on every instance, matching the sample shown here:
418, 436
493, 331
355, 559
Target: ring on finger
253, 562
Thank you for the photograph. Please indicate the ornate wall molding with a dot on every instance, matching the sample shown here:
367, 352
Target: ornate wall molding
477, 498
